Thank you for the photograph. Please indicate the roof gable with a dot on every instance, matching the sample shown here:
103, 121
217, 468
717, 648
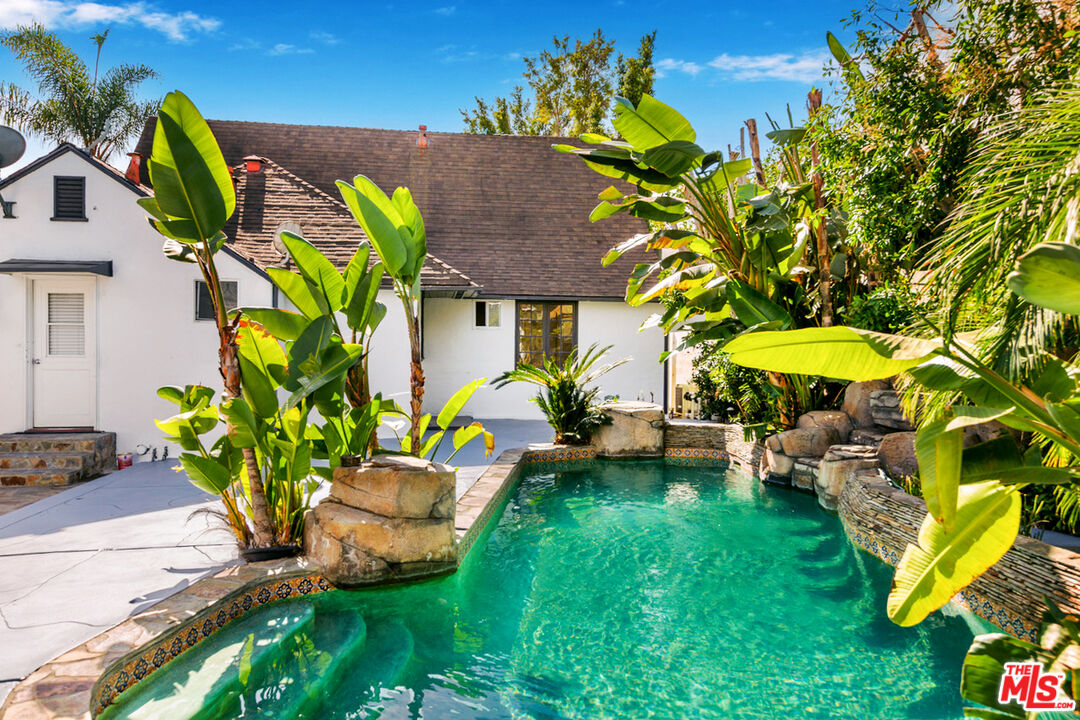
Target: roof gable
273, 196
507, 211
64, 149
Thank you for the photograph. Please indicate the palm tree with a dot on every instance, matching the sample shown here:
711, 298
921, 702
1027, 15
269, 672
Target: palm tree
1021, 187
99, 112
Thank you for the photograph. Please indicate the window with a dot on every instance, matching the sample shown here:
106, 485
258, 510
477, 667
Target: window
545, 330
204, 306
69, 198
66, 332
488, 314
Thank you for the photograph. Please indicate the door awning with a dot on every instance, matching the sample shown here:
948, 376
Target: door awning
93, 267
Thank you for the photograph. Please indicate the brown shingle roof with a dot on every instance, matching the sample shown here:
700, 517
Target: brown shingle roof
269, 198
507, 211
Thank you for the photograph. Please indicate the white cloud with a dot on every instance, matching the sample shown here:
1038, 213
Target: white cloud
804, 68
287, 49
325, 38
446, 11
663, 67
176, 26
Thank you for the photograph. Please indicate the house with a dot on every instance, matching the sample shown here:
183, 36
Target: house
96, 319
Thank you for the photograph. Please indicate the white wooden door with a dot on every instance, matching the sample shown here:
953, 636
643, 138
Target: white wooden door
64, 374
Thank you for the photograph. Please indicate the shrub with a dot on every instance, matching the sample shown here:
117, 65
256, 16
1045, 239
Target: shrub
569, 406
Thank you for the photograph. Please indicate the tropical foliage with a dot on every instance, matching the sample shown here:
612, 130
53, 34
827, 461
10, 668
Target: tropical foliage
731, 392
742, 254
571, 89
98, 111
565, 398
278, 365
193, 199
924, 85
396, 230
972, 494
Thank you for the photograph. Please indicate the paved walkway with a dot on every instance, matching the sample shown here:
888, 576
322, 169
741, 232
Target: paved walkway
74, 564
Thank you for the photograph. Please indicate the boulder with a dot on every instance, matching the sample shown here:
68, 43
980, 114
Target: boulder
897, 454
865, 436
840, 464
636, 430
886, 411
804, 442
804, 473
392, 540
397, 486
857, 401
775, 467
836, 419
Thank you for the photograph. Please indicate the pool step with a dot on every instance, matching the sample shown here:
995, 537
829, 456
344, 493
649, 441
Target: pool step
204, 679
308, 665
382, 664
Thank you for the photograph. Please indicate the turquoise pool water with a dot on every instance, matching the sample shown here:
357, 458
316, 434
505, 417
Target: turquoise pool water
622, 590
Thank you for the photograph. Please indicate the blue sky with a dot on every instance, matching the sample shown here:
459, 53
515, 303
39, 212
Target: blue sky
397, 65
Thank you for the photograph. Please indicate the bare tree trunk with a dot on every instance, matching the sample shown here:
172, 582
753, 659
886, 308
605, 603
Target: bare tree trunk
924, 34
813, 104
755, 152
416, 382
262, 528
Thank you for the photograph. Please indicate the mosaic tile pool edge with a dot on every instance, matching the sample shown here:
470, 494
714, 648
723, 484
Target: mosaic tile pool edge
174, 642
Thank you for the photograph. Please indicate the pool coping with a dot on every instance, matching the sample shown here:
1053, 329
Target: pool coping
82, 682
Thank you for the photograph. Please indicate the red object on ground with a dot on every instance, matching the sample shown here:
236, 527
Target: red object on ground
123, 460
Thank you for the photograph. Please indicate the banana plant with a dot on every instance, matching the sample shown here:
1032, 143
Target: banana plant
277, 437
395, 228
972, 494
328, 340
193, 199
739, 253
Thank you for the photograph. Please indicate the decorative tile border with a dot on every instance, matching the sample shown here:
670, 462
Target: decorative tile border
171, 644
84, 681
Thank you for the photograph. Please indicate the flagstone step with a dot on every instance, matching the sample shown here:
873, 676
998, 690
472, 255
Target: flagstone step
55, 458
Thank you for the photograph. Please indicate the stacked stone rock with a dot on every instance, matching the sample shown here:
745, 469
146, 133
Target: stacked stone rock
636, 430
828, 447
391, 518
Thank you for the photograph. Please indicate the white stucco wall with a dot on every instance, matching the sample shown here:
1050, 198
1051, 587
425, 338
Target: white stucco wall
456, 352
147, 335
146, 332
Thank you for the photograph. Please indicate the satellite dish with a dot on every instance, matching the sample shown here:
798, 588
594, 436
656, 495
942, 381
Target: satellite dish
12, 146
290, 227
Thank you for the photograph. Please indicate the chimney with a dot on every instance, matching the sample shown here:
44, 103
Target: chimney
421, 140
253, 163
134, 167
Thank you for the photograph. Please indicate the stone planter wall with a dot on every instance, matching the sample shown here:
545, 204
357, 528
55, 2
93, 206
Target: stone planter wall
883, 520
687, 434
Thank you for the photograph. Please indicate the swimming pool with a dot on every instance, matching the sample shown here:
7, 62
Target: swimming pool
618, 589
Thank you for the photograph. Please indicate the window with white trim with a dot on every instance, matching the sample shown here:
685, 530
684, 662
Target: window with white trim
488, 314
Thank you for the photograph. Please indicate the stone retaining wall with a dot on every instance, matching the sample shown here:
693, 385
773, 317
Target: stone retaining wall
714, 436
883, 520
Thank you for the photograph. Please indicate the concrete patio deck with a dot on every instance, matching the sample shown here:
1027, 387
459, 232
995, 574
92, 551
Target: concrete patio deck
79, 562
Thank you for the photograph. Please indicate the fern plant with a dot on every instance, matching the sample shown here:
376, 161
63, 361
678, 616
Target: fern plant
564, 396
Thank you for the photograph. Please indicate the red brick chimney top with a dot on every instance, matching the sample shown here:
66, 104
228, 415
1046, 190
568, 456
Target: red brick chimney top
134, 166
253, 163
421, 140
